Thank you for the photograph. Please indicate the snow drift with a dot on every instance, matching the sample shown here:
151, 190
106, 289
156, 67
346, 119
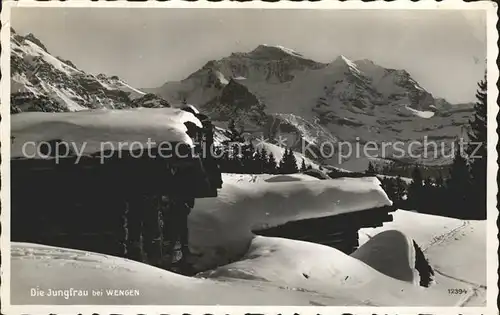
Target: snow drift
442, 240
46, 267
391, 253
308, 267
300, 265
455, 250
272, 271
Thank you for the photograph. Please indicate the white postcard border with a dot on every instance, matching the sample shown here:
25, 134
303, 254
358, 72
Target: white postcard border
492, 188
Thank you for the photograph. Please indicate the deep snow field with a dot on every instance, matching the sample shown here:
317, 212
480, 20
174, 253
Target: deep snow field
242, 269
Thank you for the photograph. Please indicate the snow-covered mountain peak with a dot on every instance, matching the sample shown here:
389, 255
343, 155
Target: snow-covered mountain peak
344, 62
347, 60
32, 38
273, 52
284, 49
275, 91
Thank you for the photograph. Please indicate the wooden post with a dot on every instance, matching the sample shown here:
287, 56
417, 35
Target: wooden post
134, 225
151, 230
175, 212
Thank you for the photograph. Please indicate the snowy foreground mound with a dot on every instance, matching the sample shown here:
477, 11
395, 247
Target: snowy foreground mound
124, 281
274, 271
310, 267
244, 269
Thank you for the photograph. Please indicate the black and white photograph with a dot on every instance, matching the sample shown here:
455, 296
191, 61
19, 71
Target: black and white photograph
169, 155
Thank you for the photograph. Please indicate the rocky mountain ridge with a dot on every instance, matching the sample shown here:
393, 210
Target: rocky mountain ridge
43, 82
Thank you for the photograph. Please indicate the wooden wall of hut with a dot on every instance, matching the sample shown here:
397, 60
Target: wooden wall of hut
338, 231
117, 208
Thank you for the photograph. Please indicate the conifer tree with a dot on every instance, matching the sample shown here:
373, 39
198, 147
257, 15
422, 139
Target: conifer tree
271, 166
439, 181
428, 182
388, 184
288, 164
262, 160
371, 169
248, 159
400, 188
292, 161
415, 190
235, 134
303, 166
281, 164
458, 186
477, 151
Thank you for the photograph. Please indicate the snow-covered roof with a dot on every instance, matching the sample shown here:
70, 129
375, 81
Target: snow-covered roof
97, 130
242, 207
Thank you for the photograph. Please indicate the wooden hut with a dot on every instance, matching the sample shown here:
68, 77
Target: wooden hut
125, 202
339, 231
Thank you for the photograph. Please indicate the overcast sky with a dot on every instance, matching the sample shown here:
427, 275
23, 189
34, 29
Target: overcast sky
443, 50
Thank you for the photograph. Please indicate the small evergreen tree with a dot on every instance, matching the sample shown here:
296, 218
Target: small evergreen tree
429, 182
248, 159
388, 184
235, 134
303, 166
371, 169
439, 181
400, 188
271, 165
459, 187
262, 160
415, 189
235, 158
477, 151
288, 164
292, 161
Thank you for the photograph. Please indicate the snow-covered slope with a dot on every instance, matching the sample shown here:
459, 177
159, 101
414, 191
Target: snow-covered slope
43, 82
277, 91
271, 271
230, 178
310, 267
46, 267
